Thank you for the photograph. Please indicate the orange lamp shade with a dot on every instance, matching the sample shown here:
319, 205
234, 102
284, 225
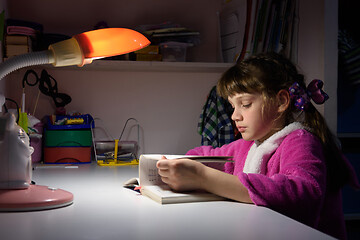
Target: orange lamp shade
109, 42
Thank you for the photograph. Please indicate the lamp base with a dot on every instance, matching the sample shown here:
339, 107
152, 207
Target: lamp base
34, 198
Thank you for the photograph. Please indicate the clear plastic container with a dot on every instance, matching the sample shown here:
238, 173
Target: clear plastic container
173, 51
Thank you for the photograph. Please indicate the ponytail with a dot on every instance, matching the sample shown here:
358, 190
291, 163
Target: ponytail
337, 172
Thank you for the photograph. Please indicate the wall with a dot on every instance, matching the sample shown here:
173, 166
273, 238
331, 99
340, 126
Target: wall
166, 104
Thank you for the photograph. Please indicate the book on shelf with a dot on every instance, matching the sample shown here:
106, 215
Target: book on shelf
16, 39
152, 186
13, 50
175, 34
165, 30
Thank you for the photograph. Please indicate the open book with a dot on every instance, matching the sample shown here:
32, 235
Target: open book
151, 185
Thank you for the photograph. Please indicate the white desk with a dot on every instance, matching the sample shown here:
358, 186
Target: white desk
103, 209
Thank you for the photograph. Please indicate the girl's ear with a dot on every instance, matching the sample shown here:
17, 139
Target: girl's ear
283, 99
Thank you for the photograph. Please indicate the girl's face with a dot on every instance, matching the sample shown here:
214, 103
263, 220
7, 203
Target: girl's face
252, 122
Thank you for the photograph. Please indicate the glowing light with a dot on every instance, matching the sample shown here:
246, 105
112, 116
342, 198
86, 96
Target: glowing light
110, 42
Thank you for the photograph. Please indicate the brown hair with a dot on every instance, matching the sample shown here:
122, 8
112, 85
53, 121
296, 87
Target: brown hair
267, 74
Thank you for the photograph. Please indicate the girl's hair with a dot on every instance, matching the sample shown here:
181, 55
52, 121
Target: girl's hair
267, 74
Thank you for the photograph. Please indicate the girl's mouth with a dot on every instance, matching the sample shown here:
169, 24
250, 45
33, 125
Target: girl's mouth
241, 129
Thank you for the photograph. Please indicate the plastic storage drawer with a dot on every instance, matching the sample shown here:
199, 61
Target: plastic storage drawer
67, 154
68, 138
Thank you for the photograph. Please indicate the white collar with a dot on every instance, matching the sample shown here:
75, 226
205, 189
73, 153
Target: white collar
259, 154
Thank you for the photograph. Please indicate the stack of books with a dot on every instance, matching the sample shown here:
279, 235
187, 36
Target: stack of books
17, 45
20, 36
173, 34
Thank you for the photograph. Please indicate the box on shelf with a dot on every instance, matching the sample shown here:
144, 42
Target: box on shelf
173, 51
148, 57
151, 49
149, 53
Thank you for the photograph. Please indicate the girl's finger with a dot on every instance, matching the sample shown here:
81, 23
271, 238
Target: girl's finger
165, 180
162, 164
163, 172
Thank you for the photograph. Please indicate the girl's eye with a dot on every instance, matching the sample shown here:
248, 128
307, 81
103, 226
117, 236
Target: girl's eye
246, 105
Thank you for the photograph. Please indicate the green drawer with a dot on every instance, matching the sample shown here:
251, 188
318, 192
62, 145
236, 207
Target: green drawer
68, 138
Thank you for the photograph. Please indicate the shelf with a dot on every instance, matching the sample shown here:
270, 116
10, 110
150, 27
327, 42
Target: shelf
111, 65
348, 135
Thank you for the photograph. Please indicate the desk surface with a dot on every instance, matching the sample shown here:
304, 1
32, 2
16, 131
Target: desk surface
103, 209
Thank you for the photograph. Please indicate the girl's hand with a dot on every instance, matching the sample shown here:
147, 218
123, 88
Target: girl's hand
185, 175
181, 174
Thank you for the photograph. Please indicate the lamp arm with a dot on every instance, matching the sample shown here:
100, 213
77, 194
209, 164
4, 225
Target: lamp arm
25, 60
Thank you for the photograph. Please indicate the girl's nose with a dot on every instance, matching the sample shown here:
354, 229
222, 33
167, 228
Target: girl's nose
236, 115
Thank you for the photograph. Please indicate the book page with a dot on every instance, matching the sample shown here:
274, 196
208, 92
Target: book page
148, 172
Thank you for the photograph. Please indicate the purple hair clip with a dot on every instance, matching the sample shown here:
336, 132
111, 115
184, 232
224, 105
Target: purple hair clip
302, 96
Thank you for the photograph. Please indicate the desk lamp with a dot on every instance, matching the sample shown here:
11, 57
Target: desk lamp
16, 191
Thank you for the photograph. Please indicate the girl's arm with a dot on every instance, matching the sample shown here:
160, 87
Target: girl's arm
186, 174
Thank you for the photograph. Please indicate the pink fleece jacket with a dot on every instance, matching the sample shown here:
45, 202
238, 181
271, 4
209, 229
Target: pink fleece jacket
294, 181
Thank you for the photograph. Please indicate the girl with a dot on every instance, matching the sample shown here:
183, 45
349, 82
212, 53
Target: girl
287, 159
